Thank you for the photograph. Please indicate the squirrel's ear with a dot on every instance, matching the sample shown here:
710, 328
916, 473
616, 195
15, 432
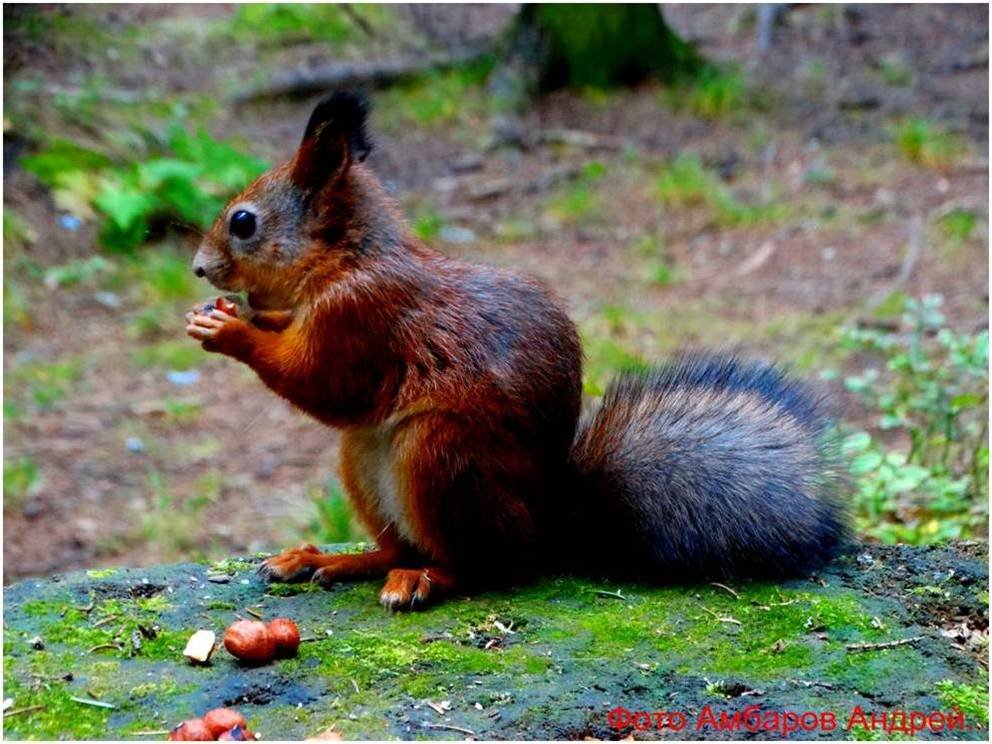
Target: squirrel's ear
335, 138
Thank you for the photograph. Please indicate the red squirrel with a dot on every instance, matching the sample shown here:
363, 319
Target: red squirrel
457, 390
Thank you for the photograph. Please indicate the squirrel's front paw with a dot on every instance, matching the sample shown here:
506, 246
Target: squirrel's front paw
215, 326
295, 564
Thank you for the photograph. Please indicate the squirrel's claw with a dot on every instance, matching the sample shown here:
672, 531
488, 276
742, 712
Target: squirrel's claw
295, 564
405, 589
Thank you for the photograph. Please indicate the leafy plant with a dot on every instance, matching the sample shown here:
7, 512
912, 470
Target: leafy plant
973, 700
926, 144
186, 180
579, 202
958, 224
428, 225
934, 400
441, 97
289, 23
333, 522
20, 479
686, 181
714, 94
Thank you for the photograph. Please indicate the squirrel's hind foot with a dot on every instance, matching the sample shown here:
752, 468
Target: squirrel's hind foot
413, 588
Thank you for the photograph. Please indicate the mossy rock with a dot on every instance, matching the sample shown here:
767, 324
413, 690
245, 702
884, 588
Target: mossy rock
549, 660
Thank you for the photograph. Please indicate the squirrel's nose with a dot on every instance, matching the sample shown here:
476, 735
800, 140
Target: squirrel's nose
199, 271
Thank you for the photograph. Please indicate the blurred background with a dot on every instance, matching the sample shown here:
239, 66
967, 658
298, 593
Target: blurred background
808, 184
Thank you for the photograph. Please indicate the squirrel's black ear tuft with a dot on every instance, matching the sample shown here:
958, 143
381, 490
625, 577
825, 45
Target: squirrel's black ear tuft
335, 137
344, 112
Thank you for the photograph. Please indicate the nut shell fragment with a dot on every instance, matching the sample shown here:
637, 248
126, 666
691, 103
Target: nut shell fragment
200, 646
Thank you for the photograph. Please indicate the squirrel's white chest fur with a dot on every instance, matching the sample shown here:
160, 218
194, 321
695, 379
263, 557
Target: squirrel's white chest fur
373, 457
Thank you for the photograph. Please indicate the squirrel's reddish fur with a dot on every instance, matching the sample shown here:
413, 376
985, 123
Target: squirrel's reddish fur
457, 388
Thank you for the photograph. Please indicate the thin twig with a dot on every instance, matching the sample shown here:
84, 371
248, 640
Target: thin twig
610, 595
253, 613
809, 683
104, 647
449, 727
18, 711
723, 619
876, 646
104, 621
725, 588
95, 703
163, 732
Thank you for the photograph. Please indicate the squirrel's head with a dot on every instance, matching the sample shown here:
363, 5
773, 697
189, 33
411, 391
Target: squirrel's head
286, 223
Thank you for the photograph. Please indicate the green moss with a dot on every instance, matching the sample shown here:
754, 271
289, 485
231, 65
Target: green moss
232, 565
44, 607
972, 699
534, 652
291, 590
58, 717
101, 573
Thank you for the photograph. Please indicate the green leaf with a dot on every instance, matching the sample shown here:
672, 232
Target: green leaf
857, 442
865, 463
965, 400
61, 158
125, 206
154, 172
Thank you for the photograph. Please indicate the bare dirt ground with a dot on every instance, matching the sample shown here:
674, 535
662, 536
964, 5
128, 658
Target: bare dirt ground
243, 471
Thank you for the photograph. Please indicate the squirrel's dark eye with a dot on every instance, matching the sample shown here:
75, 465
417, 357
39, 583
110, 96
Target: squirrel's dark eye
243, 224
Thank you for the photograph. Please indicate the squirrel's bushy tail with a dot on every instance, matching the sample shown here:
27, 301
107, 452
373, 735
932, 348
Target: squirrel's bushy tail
705, 467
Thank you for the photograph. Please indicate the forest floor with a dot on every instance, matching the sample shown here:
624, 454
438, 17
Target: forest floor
860, 133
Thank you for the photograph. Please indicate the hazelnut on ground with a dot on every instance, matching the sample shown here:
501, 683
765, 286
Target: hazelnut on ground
286, 636
236, 733
220, 720
251, 641
192, 730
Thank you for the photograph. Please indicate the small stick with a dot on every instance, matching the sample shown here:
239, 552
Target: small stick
807, 683
723, 619
17, 711
252, 612
95, 703
876, 646
725, 588
611, 595
104, 621
85, 610
104, 647
163, 732
449, 727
